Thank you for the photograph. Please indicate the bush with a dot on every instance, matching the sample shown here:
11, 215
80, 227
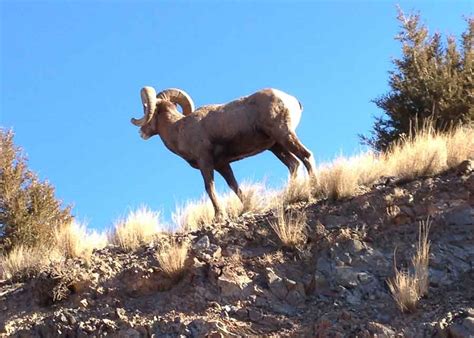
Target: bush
431, 81
29, 211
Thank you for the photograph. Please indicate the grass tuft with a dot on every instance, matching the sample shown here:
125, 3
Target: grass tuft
290, 227
74, 240
406, 288
459, 145
297, 189
420, 260
172, 259
422, 155
24, 262
140, 227
336, 181
193, 215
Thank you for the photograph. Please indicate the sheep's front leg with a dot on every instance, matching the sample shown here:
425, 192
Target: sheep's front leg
207, 172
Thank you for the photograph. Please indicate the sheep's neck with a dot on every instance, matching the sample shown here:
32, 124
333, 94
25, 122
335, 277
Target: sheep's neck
167, 129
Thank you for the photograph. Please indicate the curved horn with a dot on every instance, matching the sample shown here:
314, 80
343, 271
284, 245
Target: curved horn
149, 102
178, 96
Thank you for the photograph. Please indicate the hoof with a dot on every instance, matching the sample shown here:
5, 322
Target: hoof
218, 217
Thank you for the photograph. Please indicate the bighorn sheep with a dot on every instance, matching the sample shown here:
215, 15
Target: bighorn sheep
211, 137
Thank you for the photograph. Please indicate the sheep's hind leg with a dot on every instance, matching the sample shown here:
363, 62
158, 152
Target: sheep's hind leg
287, 158
228, 175
293, 145
208, 176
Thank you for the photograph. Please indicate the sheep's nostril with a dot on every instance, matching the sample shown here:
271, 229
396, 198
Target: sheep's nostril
143, 135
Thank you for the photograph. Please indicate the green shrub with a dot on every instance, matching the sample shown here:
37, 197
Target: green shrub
29, 211
431, 83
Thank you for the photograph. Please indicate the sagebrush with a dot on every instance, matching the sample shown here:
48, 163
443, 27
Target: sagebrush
29, 211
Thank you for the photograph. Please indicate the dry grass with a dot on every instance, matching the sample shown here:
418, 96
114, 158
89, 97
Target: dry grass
24, 262
256, 198
194, 214
172, 259
297, 189
420, 260
430, 152
74, 240
427, 153
140, 227
406, 288
460, 145
290, 227
343, 177
336, 181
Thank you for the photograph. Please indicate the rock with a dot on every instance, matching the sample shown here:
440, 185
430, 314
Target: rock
277, 284
71, 318
128, 333
121, 313
364, 277
232, 250
335, 221
468, 323
63, 318
324, 265
462, 215
205, 250
320, 280
232, 285
346, 276
460, 331
290, 284
255, 315
345, 258
295, 297
203, 293
380, 330
202, 244
353, 298
465, 167
240, 313
438, 278
354, 246
109, 325
82, 283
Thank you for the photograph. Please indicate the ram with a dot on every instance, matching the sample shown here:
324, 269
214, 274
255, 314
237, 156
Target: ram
211, 137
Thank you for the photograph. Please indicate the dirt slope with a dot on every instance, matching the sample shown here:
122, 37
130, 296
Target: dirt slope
239, 280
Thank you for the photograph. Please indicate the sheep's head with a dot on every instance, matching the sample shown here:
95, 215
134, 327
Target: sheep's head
155, 104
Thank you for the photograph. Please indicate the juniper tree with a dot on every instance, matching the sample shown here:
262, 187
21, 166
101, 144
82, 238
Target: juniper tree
431, 82
29, 211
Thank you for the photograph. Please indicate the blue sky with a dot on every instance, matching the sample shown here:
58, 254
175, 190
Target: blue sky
71, 72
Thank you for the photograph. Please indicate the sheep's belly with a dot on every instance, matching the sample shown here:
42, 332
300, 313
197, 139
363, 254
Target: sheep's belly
241, 147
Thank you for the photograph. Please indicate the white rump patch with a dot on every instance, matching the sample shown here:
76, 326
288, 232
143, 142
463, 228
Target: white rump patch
293, 106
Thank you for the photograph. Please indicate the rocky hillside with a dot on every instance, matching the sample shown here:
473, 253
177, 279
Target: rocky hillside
239, 280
